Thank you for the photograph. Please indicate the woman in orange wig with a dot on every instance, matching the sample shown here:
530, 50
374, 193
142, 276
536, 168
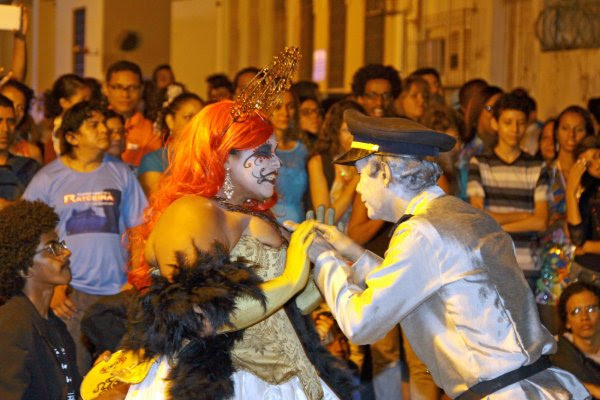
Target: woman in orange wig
207, 215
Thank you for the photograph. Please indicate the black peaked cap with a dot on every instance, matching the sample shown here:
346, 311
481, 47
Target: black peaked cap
391, 136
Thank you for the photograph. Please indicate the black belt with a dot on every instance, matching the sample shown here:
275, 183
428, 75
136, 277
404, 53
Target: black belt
486, 388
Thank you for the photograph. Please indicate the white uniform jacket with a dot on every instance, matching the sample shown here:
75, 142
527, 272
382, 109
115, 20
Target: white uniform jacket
450, 278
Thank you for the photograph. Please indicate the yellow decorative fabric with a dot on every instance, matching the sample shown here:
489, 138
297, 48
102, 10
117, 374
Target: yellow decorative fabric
271, 349
122, 367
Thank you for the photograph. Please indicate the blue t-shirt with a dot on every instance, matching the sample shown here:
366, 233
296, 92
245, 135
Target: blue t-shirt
292, 184
95, 209
156, 161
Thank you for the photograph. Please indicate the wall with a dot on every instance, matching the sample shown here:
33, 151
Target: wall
42, 48
556, 79
151, 19
63, 39
195, 39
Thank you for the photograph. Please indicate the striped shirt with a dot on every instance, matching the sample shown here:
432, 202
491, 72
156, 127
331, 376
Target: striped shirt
514, 187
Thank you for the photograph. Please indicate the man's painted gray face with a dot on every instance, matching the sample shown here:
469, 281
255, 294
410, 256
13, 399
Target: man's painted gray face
371, 186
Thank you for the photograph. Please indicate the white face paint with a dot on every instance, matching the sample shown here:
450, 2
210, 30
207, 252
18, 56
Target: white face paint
254, 171
371, 187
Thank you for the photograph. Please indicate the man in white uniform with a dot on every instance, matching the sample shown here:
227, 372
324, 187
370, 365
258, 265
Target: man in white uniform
449, 276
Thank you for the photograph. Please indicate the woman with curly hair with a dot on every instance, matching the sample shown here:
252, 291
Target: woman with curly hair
333, 185
39, 352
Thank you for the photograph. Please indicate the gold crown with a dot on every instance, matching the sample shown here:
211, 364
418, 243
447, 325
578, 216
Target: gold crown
262, 93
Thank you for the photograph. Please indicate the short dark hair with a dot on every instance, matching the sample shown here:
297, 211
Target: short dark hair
124, 65
247, 70
571, 290
110, 114
510, 101
6, 102
72, 121
160, 68
376, 71
21, 227
219, 81
525, 95
427, 71
593, 107
25, 90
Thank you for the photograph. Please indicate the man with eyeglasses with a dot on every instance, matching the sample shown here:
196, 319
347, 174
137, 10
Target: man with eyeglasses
38, 352
97, 198
579, 344
123, 89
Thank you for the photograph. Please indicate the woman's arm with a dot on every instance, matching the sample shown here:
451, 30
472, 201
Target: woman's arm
196, 223
319, 190
149, 182
19, 56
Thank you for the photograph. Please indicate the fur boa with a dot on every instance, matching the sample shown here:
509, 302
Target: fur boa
179, 320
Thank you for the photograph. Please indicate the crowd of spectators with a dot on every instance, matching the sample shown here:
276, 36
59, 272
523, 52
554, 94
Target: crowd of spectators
99, 154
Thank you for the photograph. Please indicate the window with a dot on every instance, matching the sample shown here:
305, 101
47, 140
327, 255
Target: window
79, 41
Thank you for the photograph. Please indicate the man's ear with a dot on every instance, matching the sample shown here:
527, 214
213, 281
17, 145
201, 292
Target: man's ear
387, 174
494, 124
105, 89
71, 138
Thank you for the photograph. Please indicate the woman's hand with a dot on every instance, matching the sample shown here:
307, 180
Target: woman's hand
575, 175
297, 263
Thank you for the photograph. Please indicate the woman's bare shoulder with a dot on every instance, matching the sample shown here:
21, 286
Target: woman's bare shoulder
193, 216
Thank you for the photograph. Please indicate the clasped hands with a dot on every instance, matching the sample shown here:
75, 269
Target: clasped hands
327, 237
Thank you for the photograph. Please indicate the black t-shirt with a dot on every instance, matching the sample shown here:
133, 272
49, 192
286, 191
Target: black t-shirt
589, 228
38, 354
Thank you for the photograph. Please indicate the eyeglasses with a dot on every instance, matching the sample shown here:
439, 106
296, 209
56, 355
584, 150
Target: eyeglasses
578, 311
128, 89
387, 96
54, 247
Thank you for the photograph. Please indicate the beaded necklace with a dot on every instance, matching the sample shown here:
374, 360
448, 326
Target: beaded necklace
264, 215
